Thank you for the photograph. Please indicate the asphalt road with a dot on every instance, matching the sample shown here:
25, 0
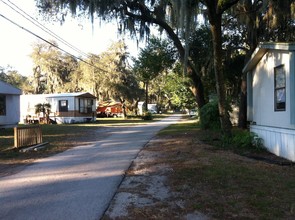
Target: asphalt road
78, 183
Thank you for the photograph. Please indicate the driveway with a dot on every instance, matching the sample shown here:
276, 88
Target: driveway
78, 183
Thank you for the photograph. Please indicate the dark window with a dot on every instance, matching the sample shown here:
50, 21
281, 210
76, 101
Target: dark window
63, 106
280, 88
2, 105
85, 105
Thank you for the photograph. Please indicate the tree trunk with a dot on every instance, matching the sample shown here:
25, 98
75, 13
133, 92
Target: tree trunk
197, 88
252, 42
220, 89
243, 105
124, 110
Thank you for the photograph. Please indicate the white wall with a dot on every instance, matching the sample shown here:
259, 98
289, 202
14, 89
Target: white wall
12, 96
263, 91
276, 128
12, 111
54, 102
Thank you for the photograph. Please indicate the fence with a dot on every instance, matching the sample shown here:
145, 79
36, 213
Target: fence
27, 136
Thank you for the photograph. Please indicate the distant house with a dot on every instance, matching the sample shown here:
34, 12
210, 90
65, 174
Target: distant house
9, 105
151, 108
65, 107
271, 96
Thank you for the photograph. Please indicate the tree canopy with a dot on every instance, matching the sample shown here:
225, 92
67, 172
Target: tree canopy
153, 60
235, 28
135, 17
11, 76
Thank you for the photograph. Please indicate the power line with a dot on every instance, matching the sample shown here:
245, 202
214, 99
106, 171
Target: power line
42, 27
50, 43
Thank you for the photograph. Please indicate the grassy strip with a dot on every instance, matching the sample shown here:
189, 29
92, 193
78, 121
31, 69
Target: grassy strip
227, 188
218, 182
188, 125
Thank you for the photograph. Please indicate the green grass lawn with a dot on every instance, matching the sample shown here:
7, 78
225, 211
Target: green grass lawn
218, 181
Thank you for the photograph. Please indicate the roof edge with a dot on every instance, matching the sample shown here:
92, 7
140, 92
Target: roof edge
61, 95
262, 49
16, 91
277, 46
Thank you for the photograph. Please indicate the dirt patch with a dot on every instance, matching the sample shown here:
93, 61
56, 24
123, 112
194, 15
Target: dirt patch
146, 191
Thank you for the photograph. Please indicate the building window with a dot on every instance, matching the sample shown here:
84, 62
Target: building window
2, 105
63, 106
280, 88
85, 105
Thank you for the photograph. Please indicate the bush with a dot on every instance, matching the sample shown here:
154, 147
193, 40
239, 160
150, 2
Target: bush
209, 116
147, 116
243, 139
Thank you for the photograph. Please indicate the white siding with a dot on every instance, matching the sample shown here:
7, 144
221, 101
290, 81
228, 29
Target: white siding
277, 140
54, 101
263, 91
12, 111
12, 96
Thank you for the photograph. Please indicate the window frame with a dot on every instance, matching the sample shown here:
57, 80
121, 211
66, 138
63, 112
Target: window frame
63, 108
279, 88
85, 105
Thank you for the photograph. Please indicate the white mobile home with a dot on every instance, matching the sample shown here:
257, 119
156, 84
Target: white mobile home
65, 107
271, 97
9, 105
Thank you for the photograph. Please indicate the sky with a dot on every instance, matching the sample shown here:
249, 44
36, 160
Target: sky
16, 43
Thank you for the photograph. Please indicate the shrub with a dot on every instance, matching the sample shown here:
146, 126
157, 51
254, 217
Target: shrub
243, 139
209, 116
147, 116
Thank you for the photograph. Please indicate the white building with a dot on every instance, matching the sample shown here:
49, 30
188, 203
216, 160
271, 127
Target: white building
9, 105
271, 97
65, 107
